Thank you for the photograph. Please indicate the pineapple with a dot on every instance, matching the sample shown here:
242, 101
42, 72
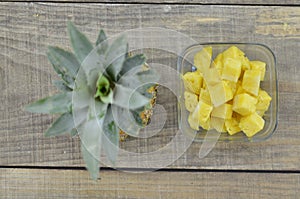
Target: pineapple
244, 104
251, 81
218, 124
193, 82
205, 96
190, 101
204, 111
223, 111
218, 63
220, 93
263, 100
89, 96
202, 59
232, 69
261, 66
251, 124
232, 126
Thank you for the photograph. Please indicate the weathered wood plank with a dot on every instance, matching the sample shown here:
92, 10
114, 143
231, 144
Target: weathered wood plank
224, 2
35, 183
25, 74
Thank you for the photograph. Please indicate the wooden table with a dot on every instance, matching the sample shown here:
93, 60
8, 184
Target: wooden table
33, 166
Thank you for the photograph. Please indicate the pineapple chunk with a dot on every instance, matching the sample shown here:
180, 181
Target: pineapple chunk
205, 96
224, 111
239, 89
232, 85
233, 52
244, 104
205, 125
232, 126
190, 100
261, 66
218, 124
220, 93
245, 63
212, 76
218, 63
252, 124
202, 59
260, 112
263, 100
192, 82
232, 69
251, 81
204, 111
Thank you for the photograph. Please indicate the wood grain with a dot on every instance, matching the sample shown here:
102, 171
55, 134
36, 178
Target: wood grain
35, 183
224, 2
26, 29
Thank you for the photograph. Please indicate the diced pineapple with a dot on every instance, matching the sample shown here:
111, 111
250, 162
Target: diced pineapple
212, 76
218, 124
220, 93
263, 100
261, 66
251, 124
232, 69
244, 104
193, 121
223, 111
233, 52
232, 85
239, 88
205, 96
232, 126
192, 82
190, 101
218, 63
245, 63
202, 59
204, 111
260, 112
205, 125
251, 81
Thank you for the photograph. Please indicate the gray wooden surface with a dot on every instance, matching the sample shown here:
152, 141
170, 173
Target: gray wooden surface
26, 29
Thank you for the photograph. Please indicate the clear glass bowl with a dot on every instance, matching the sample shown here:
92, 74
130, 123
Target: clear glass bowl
253, 52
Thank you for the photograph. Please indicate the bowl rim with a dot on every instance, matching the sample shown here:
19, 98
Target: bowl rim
261, 139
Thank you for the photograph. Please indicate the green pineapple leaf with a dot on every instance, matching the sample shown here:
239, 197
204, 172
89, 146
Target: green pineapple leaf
81, 45
61, 85
91, 140
115, 57
103, 41
64, 124
59, 103
133, 62
128, 98
110, 141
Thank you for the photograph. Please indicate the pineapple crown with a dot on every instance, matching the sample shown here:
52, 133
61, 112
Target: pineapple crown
96, 83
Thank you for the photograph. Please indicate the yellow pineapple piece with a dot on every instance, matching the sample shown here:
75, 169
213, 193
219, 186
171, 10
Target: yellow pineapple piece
232, 85
261, 66
251, 81
212, 76
205, 96
202, 59
218, 124
244, 104
232, 126
239, 88
190, 101
204, 111
233, 52
205, 124
251, 124
192, 82
232, 69
260, 112
223, 111
218, 63
220, 93
263, 100
245, 63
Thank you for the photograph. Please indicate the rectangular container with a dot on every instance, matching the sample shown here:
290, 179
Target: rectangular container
253, 52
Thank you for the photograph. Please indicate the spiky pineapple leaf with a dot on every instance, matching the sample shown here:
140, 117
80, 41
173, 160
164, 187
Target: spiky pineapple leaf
111, 137
64, 124
128, 98
115, 57
59, 103
97, 109
64, 60
61, 85
91, 140
102, 40
92, 164
80, 43
133, 62
103, 86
